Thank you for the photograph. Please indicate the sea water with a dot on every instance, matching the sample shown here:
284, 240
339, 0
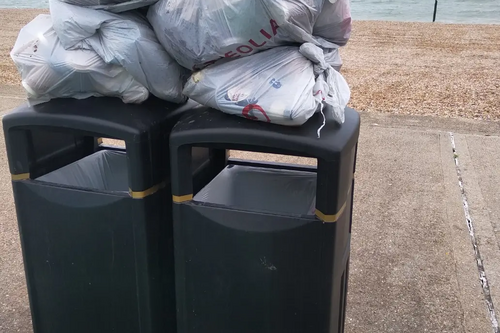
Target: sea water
448, 11
24, 3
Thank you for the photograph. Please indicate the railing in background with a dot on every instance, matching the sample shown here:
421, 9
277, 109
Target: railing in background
435, 11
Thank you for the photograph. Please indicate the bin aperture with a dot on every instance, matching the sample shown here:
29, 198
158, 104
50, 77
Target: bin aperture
262, 189
105, 170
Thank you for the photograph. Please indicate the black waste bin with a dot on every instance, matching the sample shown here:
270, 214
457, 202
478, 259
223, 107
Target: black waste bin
95, 221
264, 247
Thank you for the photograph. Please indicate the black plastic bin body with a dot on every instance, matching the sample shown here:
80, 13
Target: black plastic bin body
98, 258
264, 247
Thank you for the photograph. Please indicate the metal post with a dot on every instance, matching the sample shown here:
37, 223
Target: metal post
435, 11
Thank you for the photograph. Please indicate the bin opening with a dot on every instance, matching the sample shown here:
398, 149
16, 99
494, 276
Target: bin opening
200, 158
105, 170
270, 157
261, 189
112, 143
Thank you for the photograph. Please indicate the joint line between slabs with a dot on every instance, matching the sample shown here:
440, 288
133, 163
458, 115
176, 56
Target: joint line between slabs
477, 254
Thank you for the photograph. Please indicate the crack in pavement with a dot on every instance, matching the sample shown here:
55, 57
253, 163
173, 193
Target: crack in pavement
470, 225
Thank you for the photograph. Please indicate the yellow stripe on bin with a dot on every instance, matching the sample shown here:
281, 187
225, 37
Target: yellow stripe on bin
182, 198
148, 192
21, 176
331, 218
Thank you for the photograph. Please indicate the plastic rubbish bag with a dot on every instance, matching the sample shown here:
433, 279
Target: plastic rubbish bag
115, 6
285, 85
266, 190
332, 57
106, 170
334, 22
199, 32
126, 39
49, 71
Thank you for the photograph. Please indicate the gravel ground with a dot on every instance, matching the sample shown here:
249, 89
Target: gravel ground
425, 69
394, 67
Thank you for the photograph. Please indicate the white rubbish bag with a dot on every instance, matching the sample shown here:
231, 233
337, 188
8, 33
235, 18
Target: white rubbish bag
115, 6
126, 39
199, 32
334, 22
49, 71
285, 85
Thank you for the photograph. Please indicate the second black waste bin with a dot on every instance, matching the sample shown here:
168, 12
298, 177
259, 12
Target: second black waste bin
264, 247
95, 221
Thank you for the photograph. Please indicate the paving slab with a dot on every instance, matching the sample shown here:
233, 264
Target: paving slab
413, 267
479, 163
432, 123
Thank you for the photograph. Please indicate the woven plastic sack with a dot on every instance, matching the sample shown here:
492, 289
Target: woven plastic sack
198, 32
115, 6
49, 71
126, 39
285, 85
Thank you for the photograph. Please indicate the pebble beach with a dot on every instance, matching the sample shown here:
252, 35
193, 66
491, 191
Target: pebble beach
448, 70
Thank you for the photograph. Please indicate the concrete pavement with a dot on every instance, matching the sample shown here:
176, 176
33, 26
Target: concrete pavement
417, 254
414, 268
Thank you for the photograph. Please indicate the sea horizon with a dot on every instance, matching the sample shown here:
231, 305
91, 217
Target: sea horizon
448, 11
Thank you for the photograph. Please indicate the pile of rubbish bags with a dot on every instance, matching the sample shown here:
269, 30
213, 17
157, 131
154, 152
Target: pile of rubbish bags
270, 60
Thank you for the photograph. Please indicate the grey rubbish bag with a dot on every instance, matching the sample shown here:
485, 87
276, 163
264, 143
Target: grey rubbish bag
285, 85
262, 189
105, 170
126, 39
115, 6
49, 71
199, 32
334, 22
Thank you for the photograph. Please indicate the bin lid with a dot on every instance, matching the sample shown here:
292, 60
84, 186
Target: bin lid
208, 127
101, 116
